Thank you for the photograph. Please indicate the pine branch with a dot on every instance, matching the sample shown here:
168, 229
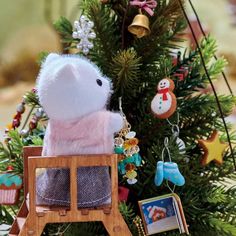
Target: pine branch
126, 70
5, 216
41, 57
222, 227
167, 19
108, 39
64, 29
5, 156
31, 99
127, 212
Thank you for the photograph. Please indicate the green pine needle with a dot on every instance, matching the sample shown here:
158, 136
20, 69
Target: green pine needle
31, 99
126, 71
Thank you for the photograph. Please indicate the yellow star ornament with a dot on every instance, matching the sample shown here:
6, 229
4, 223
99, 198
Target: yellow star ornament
213, 149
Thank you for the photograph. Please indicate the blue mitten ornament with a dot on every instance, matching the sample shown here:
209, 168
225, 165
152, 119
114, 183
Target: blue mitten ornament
172, 173
168, 171
159, 173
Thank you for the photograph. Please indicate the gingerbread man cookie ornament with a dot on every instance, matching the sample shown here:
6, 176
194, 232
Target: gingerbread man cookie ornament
163, 104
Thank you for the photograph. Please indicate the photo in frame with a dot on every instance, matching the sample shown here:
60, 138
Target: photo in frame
163, 213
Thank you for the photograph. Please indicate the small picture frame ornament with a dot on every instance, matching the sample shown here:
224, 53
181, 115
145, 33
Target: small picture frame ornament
163, 213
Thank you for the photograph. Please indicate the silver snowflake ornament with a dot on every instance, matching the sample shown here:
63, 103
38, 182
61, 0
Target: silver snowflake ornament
84, 32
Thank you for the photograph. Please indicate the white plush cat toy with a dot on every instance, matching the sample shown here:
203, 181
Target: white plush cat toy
74, 95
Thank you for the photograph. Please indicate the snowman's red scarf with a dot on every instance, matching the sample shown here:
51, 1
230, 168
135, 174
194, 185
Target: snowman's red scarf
164, 92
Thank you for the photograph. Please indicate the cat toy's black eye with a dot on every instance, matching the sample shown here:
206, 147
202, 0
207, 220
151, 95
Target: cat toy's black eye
99, 82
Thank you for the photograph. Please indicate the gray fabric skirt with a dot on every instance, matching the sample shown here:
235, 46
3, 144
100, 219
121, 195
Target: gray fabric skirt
93, 185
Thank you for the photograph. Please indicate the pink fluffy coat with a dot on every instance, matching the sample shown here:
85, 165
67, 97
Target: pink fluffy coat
92, 134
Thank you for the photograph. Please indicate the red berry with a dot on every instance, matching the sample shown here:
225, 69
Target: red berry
17, 116
32, 125
16, 123
34, 90
10, 168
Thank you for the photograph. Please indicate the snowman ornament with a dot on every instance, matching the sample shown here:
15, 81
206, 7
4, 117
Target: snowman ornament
163, 105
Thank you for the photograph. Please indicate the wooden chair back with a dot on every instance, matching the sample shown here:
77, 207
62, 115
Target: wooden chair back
33, 220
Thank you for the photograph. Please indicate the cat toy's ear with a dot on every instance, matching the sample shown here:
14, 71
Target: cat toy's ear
67, 71
51, 57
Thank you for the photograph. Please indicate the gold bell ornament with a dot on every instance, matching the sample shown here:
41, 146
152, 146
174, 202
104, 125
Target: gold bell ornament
140, 24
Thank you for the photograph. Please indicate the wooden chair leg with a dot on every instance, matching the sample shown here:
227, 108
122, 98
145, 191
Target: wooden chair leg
30, 228
40, 228
116, 226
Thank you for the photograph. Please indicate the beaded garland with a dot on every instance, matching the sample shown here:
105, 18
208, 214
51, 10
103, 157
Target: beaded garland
127, 145
18, 117
139, 225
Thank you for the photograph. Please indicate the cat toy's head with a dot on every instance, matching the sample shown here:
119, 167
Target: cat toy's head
70, 87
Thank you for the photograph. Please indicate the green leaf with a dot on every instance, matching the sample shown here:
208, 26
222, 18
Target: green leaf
127, 211
37, 141
15, 142
222, 226
41, 57
63, 26
5, 216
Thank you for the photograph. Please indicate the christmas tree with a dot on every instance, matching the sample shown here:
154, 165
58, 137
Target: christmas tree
136, 64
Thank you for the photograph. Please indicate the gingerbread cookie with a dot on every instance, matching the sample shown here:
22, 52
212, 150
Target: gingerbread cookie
164, 103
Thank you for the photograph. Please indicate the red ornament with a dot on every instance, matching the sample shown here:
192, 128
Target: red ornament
9, 168
17, 116
181, 73
123, 193
33, 124
34, 90
174, 61
15, 123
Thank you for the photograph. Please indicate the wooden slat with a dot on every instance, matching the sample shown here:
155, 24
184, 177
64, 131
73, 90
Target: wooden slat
114, 182
73, 184
20, 222
29, 151
14, 228
64, 161
32, 189
51, 208
23, 212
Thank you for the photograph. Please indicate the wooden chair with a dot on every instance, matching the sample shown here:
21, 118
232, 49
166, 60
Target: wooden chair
33, 221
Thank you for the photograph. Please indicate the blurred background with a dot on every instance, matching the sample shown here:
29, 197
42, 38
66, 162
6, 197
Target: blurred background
26, 30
